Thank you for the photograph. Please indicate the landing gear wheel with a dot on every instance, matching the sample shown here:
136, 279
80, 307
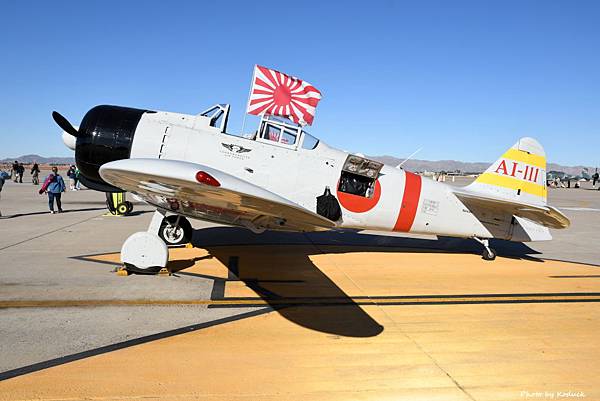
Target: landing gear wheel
122, 208
175, 230
489, 254
129, 206
144, 252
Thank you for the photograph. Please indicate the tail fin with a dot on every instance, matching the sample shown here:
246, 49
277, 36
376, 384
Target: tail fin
518, 175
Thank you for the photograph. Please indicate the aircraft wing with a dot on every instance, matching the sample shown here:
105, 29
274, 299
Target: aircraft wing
173, 185
544, 215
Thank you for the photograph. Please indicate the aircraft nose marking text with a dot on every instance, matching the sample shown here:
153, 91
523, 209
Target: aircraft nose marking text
517, 170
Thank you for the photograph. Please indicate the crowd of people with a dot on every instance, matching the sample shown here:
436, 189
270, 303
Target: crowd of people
556, 182
53, 184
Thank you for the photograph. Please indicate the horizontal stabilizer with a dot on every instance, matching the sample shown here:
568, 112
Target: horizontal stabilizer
528, 231
544, 215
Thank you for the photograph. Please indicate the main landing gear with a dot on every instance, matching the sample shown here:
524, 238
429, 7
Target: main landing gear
147, 251
488, 253
175, 230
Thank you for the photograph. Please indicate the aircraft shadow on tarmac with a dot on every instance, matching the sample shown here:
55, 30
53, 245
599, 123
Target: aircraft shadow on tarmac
290, 283
231, 236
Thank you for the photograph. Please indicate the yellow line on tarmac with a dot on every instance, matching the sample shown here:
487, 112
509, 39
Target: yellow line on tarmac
305, 301
99, 302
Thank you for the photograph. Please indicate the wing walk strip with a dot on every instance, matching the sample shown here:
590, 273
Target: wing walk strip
318, 301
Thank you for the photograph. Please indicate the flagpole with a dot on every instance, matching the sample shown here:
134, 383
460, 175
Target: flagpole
248, 101
243, 124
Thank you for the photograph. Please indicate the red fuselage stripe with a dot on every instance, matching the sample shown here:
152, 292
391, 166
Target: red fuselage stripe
410, 201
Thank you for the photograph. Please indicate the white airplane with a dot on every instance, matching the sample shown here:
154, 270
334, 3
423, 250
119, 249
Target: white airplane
283, 178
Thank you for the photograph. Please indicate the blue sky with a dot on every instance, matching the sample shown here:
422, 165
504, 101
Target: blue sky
462, 79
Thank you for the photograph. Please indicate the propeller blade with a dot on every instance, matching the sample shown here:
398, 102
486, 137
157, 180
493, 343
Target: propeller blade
64, 124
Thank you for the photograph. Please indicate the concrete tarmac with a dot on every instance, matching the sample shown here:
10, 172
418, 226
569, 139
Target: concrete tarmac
291, 316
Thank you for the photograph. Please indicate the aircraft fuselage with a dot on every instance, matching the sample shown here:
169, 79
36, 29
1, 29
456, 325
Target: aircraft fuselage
400, 200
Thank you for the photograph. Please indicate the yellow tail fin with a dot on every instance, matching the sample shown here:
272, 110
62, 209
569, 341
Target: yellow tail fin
519, 174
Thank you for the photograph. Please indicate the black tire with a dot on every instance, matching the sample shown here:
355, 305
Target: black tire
134, 269
489, 255
122, 208
109, 204
129, 207
175, 236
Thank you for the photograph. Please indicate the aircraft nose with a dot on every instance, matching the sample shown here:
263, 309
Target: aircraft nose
69, 140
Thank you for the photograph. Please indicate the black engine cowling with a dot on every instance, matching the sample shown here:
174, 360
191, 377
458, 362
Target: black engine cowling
105, 134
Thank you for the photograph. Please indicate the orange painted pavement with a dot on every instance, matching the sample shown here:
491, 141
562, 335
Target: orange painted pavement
375, 351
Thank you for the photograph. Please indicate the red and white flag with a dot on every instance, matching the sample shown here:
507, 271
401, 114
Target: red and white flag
277, 94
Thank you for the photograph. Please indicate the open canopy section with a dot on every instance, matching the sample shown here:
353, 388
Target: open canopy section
219, 115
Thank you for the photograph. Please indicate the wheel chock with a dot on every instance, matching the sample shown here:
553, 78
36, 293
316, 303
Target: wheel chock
164, 272
123, 272
189, 245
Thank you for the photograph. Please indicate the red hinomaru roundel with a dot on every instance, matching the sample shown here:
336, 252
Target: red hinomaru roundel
359, 204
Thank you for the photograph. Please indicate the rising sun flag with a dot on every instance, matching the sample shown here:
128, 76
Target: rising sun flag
276, 94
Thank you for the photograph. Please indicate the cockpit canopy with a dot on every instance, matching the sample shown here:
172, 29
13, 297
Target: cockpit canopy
276, 131
271, 130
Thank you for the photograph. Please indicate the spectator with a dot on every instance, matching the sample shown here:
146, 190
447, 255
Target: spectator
21, 171
54, 185
1, 186
35, 174
559, 183
14, 172
77, 181
71, 175
595, 179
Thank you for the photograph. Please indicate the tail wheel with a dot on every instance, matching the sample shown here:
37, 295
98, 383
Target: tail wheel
122, 208
175, 232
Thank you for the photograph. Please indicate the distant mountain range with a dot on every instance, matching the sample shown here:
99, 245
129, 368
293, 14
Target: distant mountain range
464, 167
411, 165
40, 159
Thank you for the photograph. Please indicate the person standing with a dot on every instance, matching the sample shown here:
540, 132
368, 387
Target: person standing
35, 174
77, 180
71, 175
14, 172
55, 188
21, 171
1, 186
559, 183
595, 179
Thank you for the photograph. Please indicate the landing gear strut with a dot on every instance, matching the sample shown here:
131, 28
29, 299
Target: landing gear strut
488, 253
